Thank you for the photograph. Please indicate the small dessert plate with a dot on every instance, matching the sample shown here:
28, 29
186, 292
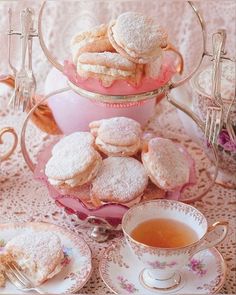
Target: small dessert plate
78, 266
120, 270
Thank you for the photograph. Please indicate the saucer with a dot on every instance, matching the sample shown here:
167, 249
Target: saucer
120, 270
78, 266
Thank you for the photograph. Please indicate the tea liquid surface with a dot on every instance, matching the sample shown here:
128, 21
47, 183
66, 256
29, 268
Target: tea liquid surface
164, 233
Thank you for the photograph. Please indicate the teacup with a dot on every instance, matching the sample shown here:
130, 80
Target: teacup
162, 266
8, 153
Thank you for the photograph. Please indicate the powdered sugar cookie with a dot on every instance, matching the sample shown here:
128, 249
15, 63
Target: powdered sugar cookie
73, 168
152, 69
94, 40
81, 192
39, 254
118, 136
120, 180
166, 165
108, 67
137, 37
74, 141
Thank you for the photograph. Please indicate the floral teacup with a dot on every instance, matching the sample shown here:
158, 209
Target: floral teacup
8, 153
162, 266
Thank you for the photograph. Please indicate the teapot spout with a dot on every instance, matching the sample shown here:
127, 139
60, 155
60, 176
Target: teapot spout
8, 80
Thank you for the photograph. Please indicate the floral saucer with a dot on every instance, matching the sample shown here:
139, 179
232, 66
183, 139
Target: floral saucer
120, 269
78, 266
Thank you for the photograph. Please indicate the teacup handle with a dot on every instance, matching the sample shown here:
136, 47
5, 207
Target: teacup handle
12, 131
180, 65
209, 244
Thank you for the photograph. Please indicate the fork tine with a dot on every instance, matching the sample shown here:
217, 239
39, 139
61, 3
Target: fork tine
215, 133
14, 280
213, 125
12, 99
26, 101
207, 124
211, 128
20, 280
18, 274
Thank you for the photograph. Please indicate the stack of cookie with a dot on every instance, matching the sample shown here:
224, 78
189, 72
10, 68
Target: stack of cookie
104, 167
129, 48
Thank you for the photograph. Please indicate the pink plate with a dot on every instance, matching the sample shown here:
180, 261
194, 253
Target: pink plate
111, 212
122, 87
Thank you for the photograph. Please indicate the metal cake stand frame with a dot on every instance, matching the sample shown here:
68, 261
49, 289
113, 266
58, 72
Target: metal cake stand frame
100, 228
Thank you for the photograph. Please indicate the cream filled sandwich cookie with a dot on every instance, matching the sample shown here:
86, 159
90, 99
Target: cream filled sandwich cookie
166, 165
71, 168
93, 40
74, 141
108, 67
38, 254
120, 180
119, 136
137, 37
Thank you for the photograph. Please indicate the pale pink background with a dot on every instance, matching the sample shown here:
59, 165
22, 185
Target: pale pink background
21, 197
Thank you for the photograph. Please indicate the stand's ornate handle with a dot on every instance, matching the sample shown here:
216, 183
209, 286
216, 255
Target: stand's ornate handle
2, 132
180, 65
24, 150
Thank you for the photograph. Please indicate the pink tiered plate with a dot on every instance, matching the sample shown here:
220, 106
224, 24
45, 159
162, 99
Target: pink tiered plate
111, 212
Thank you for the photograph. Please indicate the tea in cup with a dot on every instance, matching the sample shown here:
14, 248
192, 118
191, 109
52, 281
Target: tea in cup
164, 235
8, 153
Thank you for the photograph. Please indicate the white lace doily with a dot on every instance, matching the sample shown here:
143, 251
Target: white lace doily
24, 199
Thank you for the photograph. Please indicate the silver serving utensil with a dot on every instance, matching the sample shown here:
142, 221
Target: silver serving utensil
20, 280
214, 117
29, 93
22, 75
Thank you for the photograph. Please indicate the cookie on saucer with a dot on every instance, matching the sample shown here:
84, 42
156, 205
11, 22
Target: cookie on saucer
72, 167
108, 67
120, 180
137, 37
166, 165
38, 254
93, 40
119, 136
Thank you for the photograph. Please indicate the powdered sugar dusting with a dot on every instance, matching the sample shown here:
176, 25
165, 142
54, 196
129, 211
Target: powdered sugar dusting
119, 131
166, 164
43, 250
66, 164
138, 33
76, 140
120, 179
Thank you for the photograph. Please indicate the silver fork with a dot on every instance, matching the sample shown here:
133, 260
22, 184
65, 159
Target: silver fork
22, 75
214, 117
31, 81
20, 280
213, 123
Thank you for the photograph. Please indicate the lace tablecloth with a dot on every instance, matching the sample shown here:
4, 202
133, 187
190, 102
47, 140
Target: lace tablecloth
24, 199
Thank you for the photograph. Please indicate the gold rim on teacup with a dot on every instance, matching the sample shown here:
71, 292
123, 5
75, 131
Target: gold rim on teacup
209, 228
9, 153
162, 266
